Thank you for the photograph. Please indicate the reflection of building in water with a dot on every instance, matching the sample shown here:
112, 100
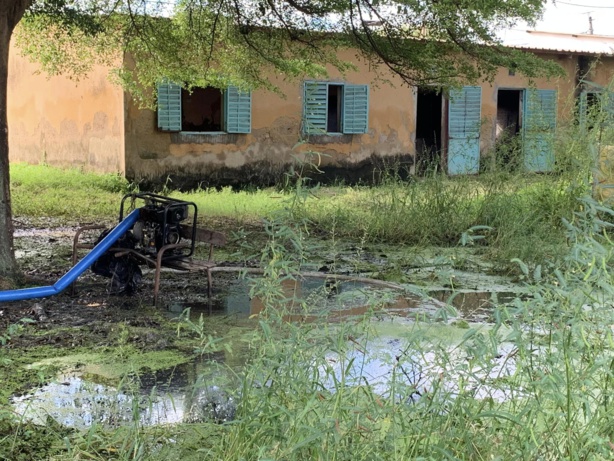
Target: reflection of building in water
314, 297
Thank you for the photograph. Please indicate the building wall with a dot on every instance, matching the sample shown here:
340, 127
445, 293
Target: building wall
274, 139
95, 125
62, 122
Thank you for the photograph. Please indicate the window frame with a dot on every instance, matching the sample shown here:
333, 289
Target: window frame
236, 111
354, 108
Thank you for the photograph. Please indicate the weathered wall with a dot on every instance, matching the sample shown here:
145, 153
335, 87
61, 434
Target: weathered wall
565, 87
95, 125
63, 122
233, 158
259, 156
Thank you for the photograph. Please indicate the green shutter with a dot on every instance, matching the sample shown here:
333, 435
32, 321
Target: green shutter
315, 95
169, 107
238, 110
355, 109
539, 124
464, 124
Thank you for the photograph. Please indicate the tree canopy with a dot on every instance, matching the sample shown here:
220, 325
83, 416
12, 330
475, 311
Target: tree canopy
221, 42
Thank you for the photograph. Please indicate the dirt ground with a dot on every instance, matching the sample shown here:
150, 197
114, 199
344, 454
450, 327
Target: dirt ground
86, 316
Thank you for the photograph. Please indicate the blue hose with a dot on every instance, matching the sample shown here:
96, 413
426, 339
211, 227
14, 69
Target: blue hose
67, 279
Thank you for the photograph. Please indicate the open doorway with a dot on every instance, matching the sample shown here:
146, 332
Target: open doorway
509, 123
588, 110
428, 128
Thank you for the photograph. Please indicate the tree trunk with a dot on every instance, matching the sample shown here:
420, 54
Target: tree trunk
11, 12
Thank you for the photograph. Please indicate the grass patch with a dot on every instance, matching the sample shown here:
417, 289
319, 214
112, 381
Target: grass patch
43, 191
40, 190
509, 216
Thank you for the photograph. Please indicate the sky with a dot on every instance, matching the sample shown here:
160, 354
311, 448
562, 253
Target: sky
572, 16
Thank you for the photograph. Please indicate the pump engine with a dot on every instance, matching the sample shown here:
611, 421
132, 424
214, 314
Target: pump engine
161, 222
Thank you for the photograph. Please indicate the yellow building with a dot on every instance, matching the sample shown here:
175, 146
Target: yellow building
222, 136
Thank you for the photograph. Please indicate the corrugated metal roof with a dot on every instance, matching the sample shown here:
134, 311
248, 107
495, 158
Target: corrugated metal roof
556, 41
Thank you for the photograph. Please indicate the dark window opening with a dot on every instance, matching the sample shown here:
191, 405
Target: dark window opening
201, 109
585, 64
591, 110
333, 117
428, 127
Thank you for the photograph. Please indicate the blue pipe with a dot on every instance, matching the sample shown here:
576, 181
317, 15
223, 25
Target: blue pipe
67, 279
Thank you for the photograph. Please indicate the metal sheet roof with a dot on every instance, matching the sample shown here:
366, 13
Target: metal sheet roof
556, 41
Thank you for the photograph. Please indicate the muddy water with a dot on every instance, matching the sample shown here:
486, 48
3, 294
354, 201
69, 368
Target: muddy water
186, 393
341, 299
198, 391
320, 297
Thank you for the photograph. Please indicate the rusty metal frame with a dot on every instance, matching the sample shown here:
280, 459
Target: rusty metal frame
181, 263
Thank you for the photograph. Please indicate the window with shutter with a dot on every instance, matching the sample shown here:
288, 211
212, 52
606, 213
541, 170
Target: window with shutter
169, 107
355, 109
335, 108
204, 110
238, 110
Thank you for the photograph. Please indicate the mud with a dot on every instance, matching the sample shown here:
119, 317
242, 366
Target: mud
83, 348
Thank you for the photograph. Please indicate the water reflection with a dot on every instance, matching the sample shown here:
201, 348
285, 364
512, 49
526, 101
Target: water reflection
313, 298
192, 392
203, 390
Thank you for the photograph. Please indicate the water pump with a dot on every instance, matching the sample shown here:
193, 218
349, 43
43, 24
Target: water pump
162, 221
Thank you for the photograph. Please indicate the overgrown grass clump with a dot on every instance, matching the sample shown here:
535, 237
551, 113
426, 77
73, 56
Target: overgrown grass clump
518, 217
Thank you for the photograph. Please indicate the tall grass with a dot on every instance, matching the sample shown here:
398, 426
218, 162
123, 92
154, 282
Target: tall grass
519, 214
535, 384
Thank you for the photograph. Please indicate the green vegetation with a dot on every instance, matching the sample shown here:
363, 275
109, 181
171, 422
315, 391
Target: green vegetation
535, 383
504, 212
40, 190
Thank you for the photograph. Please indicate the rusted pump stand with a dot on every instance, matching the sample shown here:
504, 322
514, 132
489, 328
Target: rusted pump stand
160, 240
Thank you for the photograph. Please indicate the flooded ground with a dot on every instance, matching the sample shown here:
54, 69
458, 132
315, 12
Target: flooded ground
200, 388
191, 392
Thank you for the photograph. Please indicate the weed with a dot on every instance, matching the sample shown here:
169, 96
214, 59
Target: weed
13, 330
534, 384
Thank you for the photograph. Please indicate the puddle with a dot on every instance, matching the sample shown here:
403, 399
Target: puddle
312, 298
386, 366
474, 305
188, 393
201, 390
345, 299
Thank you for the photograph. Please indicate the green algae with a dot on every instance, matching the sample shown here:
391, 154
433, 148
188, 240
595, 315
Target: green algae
114, 363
